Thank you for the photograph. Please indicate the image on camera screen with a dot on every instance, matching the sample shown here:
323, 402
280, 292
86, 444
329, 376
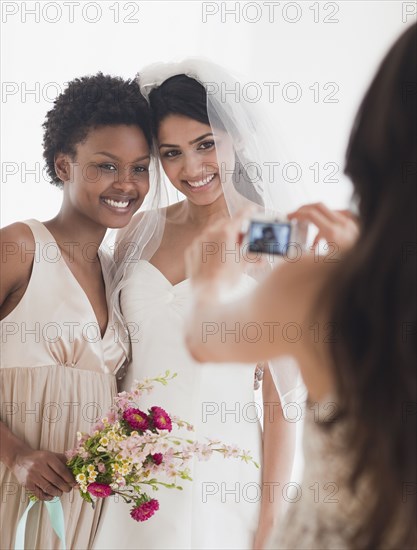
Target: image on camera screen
270, 238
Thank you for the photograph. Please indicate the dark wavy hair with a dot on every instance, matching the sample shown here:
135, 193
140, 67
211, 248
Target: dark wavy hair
374, 304
91, 102
185, 96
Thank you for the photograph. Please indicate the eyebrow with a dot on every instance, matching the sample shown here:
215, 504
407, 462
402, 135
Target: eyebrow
117, 158
190, 142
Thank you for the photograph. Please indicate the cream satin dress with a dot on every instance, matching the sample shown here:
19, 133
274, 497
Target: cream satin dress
57, 377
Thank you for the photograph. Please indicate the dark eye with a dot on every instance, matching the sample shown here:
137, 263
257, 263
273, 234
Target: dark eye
206, 145
171, 154
139, 169
108, 167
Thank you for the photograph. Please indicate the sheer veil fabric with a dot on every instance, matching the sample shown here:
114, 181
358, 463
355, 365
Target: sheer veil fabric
252, 174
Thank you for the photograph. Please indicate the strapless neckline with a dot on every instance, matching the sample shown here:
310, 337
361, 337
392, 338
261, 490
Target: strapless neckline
162, 276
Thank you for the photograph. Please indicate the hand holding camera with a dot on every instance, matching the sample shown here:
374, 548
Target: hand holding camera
339, 227
210, 260
276, 235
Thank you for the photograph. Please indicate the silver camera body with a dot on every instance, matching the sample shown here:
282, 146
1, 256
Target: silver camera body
276, 235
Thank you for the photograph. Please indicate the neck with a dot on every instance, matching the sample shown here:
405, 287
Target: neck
202, 215
76, 235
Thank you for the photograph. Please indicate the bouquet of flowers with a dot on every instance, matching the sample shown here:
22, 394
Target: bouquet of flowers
131, 450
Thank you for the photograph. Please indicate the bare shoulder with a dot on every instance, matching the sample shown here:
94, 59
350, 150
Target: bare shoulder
17, 254
17, 244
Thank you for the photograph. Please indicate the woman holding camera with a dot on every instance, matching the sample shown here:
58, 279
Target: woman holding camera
356, 319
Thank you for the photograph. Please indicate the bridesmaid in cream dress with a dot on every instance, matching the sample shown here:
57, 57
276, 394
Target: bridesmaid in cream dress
60, 352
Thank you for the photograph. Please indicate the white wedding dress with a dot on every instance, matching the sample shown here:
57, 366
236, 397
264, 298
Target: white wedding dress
219, 509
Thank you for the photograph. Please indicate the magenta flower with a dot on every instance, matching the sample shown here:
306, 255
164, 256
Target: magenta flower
144, 511
136, 419
99, 490
157, 458
160, 419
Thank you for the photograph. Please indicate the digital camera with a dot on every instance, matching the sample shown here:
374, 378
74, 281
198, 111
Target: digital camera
276, 235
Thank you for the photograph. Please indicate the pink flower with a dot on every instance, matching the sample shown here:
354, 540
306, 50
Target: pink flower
231, 451
101, 467
136, 419
157, 458
83, 453
99, 490
160, 419
70, 454
119, 481
204, 452
169, 457
98, 427
144, 511
122, 403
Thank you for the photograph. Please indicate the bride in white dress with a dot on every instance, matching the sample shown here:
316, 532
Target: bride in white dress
224, 506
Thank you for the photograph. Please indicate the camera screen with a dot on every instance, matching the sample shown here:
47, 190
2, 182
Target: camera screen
270, 238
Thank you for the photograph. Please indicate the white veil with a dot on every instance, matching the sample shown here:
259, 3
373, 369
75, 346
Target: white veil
254, 174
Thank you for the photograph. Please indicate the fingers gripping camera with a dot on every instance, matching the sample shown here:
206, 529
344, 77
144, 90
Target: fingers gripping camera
276, 235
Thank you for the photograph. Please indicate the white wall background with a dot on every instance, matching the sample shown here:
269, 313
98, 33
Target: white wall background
46, 44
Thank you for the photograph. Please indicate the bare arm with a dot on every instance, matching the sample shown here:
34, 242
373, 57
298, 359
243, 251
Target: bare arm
278, 453
43, 473
285, 299
16, 260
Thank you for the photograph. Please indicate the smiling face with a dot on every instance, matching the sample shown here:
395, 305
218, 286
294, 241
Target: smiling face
108, 178
188, 151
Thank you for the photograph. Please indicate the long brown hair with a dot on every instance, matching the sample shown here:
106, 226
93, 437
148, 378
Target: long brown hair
374, 305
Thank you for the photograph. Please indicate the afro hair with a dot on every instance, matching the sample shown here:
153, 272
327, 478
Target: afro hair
91, 102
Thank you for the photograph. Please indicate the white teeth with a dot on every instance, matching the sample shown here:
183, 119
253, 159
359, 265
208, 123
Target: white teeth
201, 182
117, 204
